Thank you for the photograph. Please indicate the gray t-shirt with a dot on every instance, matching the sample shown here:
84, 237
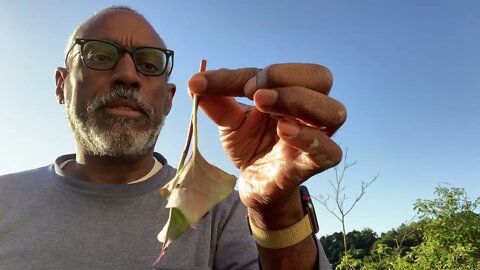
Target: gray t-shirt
49, 220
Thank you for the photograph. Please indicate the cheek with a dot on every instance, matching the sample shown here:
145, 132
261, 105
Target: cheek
161, 102
83, 87
160, 109
75, 97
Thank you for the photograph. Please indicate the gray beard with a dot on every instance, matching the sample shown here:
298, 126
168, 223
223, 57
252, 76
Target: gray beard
115, 136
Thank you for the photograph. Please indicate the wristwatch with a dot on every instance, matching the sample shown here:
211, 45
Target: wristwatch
309, 208
292, 235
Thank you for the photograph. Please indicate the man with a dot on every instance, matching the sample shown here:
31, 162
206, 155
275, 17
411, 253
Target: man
100, 208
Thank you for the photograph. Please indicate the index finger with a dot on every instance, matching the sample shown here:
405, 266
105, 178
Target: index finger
221, 82
311, 76
244, 82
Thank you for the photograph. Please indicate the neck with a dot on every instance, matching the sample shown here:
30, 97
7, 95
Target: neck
109, 170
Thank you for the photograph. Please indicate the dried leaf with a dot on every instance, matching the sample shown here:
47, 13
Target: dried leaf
177, 225
190, 194
197, 187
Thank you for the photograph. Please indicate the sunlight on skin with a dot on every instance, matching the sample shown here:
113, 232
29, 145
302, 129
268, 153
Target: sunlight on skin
315, 156
314, 145
261, 174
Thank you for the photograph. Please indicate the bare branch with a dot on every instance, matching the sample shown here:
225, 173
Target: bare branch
340, 197
324, 202
363, 190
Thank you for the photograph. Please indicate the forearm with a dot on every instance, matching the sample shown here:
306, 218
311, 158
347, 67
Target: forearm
303, 255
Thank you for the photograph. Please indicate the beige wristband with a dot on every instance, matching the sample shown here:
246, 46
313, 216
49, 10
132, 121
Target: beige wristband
282, 238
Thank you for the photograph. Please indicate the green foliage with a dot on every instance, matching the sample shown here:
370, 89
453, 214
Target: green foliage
402, 239
359, 245
451, 231
447, 236
348, 262
361, 242
333, 246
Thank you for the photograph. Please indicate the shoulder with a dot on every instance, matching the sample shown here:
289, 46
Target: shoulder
22, 188
25, 176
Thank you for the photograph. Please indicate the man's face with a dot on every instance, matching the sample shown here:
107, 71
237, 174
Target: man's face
117, 112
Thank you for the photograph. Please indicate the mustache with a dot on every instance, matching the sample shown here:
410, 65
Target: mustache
129, 93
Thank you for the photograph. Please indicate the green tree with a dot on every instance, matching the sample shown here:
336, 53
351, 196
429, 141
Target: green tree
389, 249
451, 231
359, 244
402, 239
333, 246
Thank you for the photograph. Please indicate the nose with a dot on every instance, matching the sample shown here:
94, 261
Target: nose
125, 73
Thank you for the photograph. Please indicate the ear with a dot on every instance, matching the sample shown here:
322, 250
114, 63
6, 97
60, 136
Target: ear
171, 88
60, 75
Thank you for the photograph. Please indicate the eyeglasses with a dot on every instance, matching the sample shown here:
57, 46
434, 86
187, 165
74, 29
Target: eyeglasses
104, 55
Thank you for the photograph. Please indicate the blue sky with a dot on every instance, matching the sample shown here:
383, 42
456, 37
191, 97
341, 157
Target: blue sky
407, 71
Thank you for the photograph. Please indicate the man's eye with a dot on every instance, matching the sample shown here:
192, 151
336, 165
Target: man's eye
99, 58
148, 67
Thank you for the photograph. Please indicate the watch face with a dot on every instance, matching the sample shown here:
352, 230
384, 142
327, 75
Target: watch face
308, 208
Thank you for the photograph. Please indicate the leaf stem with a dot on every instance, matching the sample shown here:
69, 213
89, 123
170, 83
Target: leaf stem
192, 129
194, 121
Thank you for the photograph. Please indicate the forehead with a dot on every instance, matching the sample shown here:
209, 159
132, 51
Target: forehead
123, 27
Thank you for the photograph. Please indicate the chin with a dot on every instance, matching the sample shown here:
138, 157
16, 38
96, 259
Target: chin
127, 143
115, 136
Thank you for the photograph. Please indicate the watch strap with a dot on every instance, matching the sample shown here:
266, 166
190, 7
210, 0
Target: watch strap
282, 238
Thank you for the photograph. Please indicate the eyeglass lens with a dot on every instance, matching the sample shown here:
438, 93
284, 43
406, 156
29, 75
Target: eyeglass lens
104, 56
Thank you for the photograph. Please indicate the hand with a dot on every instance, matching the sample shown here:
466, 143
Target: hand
281, 141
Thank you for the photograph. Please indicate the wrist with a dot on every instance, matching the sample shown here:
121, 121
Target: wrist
286, 226
278, 216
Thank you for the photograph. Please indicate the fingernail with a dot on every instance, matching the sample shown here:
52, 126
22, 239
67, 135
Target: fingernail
266, 97
288, 128
197, 83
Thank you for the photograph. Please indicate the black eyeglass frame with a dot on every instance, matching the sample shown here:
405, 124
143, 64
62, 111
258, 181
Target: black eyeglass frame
121, 51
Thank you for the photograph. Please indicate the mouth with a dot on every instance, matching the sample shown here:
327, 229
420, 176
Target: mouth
123, 107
